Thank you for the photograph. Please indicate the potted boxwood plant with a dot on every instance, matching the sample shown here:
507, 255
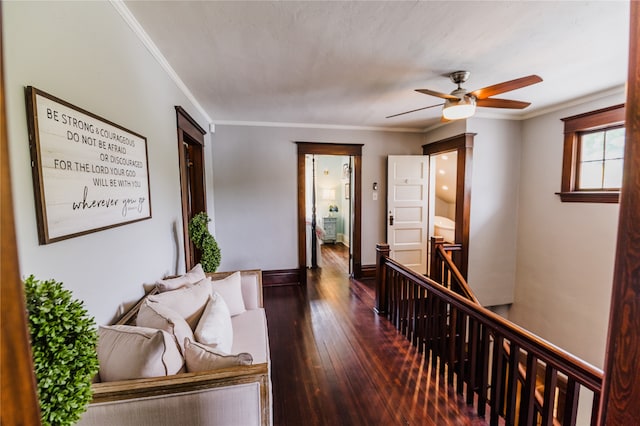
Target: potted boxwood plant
63, 341
205, 242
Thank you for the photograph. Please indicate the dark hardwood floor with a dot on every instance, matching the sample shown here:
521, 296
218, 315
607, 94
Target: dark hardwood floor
335, 362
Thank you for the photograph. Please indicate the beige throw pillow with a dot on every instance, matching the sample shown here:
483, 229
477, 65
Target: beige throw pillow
199, 357
127, 352
214, 328
188, 302
193, 276
230, 288
156, 315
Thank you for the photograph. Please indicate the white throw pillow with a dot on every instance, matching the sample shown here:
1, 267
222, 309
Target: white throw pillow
156, 315
214, 328
193, 276
199, 357
230, 289
127, 352
188, 302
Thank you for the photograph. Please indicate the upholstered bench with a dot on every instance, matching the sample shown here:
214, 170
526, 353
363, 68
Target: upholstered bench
235, 395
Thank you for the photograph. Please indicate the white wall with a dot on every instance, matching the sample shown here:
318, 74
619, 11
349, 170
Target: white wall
255, 173
494, 209
84, 53
493, 215
444, 209
565, 251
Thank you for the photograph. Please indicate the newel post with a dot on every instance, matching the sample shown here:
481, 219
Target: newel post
382, 251
435, 266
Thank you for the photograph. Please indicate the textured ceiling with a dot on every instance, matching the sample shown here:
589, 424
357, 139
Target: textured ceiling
354, 63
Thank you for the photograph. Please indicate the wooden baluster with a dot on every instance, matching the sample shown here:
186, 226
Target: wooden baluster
409, 310
443, 333
497, 379
474, 344
403, 307
436, 327
397, 287
571, 402
483, 364
399, 300
420, 312
382, 252
394, 297
451, 342
389, 295
595, 407
463, 322
425, 320
430, 320
440, 331
416, 315
527, 402
512, 383
550, 384
436, 264
410, 313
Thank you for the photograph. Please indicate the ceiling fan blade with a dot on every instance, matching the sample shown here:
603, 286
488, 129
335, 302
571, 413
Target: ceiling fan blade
414, 110
438, 94
501, 103
506, 86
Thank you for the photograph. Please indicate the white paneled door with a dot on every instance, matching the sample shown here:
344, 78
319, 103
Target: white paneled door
407, 205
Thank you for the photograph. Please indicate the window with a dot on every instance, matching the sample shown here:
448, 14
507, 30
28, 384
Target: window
600, 165
593, 156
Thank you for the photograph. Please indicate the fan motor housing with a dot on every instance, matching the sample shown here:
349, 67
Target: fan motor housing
459, 77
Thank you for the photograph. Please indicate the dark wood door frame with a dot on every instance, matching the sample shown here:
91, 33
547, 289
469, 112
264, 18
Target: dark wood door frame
192, 178
620, 400
317, 148
463, 145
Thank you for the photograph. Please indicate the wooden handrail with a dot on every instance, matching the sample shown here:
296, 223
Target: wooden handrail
463, 336
442, 259
442, 263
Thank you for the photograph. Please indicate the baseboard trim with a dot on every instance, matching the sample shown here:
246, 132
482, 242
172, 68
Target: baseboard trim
280, 277
368, 271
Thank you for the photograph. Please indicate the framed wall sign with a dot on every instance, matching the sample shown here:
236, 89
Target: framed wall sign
89, 174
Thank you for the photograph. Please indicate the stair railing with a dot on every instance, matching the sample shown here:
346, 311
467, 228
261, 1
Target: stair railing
443, 270
467, 344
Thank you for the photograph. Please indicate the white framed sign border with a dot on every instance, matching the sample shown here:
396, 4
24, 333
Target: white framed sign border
89, 174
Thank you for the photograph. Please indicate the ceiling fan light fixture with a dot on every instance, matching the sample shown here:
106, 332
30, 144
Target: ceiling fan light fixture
464, 108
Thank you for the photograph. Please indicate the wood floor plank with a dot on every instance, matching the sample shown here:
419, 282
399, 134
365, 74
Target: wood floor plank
335, 362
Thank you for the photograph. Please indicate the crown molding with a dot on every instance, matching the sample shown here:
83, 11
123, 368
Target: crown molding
137, 29
316, 126
617, 90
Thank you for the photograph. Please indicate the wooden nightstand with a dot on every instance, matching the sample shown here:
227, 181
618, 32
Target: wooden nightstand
329, 224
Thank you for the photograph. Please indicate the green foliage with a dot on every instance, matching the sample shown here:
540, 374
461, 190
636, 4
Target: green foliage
63, 339
205, 242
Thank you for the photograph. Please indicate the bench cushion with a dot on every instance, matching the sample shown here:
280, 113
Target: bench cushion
250, 335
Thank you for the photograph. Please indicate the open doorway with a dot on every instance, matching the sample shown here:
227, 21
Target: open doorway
459, 150
328, 211
354, 152
192, 178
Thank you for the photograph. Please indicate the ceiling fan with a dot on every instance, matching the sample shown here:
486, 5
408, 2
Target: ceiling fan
462, 104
